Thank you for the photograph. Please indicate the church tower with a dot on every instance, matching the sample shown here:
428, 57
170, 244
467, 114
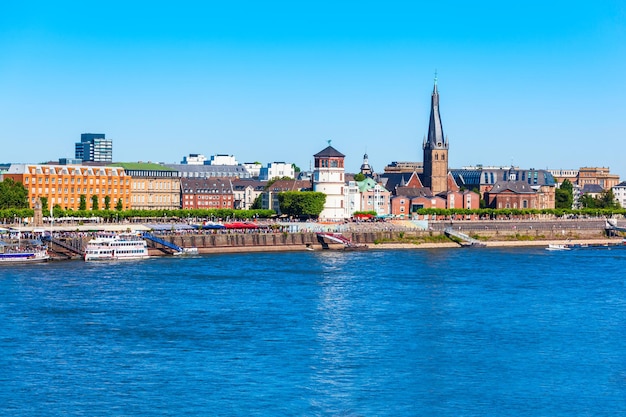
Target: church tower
435, 150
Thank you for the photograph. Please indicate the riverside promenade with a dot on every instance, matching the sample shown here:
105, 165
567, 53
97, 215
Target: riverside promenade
296, 236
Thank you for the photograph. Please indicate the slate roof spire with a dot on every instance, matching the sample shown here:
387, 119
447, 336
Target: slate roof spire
436, 139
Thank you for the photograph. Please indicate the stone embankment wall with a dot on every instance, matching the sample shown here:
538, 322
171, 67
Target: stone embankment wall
380, 233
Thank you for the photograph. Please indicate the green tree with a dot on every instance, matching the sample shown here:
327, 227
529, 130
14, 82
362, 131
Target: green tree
120, 205
258, 203
607, 200
359, 177
564, 195
296, 169
13, 194
44, 205
301, 203
107, 202
94, 202
82, 204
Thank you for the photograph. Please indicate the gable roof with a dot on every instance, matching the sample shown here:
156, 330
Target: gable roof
392, 180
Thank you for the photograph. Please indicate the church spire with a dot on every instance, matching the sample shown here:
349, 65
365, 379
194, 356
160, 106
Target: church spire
436, 139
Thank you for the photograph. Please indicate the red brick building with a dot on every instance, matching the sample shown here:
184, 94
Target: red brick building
207, 193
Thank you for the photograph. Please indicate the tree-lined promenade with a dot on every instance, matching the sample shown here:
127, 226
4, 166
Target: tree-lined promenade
301, 205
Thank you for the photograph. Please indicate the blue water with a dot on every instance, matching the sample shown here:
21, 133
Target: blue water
448, 332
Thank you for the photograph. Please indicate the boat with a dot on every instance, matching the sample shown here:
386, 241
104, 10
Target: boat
107, 246
23, 253
558, 247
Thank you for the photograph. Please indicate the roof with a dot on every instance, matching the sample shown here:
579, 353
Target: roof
206, 185
393, 180
592, 189
141, 166
329, 152
368, 184
517, 187
436, 139
413, 192
290, 185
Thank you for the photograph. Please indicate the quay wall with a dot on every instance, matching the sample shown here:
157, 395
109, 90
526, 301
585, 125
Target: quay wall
257, 241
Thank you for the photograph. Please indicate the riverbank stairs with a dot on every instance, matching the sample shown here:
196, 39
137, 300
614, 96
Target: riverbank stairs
449, 231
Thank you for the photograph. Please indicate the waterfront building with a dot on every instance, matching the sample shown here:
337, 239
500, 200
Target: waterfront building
374, 197
328, 178
483, 179
207, 193
277, 170
94, 147
153, 186
246, 191
63, 185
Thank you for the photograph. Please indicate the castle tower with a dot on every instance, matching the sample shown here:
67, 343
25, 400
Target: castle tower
328, 178
435, 150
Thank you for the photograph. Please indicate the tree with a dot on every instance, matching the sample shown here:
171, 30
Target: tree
296, 169
44, 204
94, 202
119, 206
258, 202
564, 195
301, 203
13, 194
107, 202
82, 204
359, 177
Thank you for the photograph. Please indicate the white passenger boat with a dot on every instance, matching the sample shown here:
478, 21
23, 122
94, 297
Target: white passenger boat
12, 254
558, 246
106, 246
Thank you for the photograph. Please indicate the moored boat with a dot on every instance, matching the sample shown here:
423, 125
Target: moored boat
17, 253
558, 247
116, 247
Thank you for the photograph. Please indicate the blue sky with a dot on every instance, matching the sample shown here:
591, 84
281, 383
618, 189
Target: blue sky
534, 83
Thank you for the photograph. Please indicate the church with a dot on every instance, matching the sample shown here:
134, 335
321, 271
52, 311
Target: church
432, 186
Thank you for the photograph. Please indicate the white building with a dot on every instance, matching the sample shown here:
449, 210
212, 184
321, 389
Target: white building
254, 168
223, 160
352, 199
194, 159
619, 191
277, 170
328, 178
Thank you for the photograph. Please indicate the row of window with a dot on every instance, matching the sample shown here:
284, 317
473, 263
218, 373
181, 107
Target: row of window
53, 180
72, 190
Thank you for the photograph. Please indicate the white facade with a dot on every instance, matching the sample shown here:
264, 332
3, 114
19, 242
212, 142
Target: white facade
352, 198
328, 178
619, 191
277, 170
223, 160
254, 168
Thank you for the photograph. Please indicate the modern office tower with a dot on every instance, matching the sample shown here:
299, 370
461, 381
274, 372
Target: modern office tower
94, 147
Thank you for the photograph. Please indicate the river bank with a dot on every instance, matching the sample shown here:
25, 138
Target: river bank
398, 245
